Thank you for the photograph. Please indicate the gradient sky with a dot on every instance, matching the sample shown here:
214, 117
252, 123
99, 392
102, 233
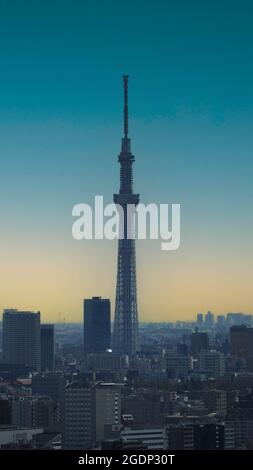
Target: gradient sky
191, 106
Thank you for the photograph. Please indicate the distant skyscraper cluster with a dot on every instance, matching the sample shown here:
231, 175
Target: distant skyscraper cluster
208, 321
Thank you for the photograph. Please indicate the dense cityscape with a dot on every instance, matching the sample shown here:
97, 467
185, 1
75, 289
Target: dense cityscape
153, 386
190, 387
119, 375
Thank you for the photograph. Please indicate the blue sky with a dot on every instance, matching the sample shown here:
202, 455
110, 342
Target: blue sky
191, 108
63, 58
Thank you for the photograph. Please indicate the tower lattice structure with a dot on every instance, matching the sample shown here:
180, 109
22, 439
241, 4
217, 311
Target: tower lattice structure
125, 333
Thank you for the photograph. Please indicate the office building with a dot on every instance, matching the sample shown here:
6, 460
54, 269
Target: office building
221, 322
107, 408
200, 319
239, 319
212, 363
150, 438
215, 401
47, 347
180, 437
199, 342
97, 325
207, 436
209, 319
51, 384
21, 338
177, 365
89, 408
32, 411
241, 341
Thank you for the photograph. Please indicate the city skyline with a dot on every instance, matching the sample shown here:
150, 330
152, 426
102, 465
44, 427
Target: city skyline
60, 121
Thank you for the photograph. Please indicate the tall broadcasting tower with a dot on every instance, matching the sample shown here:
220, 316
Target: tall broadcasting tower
125, 334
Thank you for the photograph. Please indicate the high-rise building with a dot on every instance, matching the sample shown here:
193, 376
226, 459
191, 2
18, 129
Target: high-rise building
125, 334
108, 407
51, 384
79, 416
47, 347
241, 341
212, 363
200, 319
199, 342
239, 319
221, 322
89, 408
32, 411
241, 344
209, 319
190, 436
180, 436
177, 365
21, 338
97, 325
209, 436
215, 401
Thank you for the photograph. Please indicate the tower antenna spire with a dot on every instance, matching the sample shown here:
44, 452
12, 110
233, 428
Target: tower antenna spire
125, 80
